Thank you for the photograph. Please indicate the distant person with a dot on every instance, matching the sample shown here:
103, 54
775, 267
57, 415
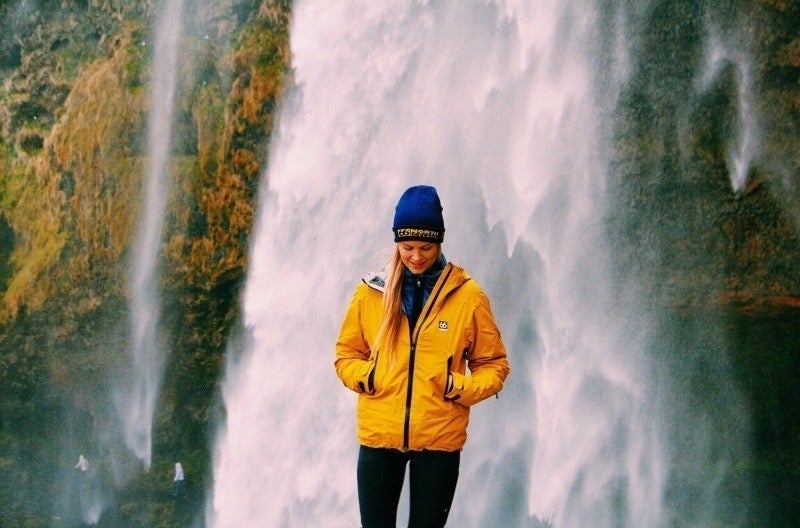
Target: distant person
180, 486
83, 482
420, 346
82, 464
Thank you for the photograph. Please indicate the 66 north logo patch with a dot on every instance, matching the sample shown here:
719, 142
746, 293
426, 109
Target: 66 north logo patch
442, 325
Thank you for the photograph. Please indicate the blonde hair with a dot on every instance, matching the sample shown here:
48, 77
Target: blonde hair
392, 312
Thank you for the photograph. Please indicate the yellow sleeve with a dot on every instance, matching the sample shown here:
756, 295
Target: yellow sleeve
353, 364
487, 360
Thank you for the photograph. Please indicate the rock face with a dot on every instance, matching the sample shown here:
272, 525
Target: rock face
73, 118
42, 49
696, 240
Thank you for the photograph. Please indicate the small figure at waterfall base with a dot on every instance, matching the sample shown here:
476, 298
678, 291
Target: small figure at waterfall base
420, 346
180, 477
82, 464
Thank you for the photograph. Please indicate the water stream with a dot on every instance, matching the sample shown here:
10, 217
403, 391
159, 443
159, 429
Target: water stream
509, 108
147, 350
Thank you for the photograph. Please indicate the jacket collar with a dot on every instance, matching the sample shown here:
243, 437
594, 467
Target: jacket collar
457, 277
429, 276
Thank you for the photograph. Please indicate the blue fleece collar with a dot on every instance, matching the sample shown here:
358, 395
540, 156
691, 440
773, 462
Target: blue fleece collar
429, 279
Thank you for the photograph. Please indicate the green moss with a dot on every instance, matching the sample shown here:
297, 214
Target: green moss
70, 60
10, 176
137, 65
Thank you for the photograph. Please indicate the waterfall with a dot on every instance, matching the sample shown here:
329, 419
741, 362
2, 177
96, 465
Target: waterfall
723, 50
507, 107
147, 350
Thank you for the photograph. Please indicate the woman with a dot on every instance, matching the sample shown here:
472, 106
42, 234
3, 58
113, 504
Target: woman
420, 346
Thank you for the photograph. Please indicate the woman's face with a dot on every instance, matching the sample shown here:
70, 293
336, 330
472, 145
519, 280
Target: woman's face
417, 255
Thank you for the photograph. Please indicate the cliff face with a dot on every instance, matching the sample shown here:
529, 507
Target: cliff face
76, 85
695, 240
50, 131
74, 108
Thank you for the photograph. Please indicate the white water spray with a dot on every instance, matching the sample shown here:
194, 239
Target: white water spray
495, 103
147, 350
743, 144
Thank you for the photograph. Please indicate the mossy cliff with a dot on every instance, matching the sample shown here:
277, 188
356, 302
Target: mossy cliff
692, 238
74, 107
715, 267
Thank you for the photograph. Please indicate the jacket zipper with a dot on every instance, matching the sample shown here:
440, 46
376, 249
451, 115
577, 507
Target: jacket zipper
412, 355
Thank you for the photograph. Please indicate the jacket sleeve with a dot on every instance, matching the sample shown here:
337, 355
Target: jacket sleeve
486, 359
353, 364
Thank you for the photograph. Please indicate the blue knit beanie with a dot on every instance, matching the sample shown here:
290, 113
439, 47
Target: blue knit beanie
418, 216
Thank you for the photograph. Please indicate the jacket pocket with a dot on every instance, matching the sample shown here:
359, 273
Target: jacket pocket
367, 384
448, 380
371, 378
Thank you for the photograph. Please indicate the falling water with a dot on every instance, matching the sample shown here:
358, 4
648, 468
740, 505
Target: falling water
721, 53
505, 106
146, 348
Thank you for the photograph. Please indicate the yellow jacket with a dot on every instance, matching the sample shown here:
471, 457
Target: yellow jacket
404, 406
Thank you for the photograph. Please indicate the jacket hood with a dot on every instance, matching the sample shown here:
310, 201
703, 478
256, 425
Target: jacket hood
376, 281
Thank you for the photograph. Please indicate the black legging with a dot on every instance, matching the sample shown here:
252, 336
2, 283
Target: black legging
433, 476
